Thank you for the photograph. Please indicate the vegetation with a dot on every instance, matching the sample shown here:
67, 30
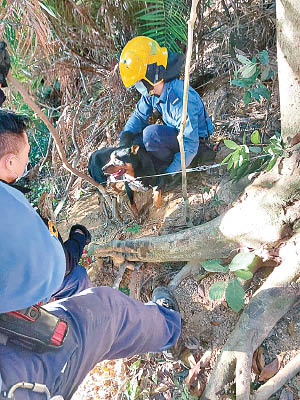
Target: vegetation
66, 54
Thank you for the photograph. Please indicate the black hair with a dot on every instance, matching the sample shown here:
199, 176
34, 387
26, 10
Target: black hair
12, 127
12, 123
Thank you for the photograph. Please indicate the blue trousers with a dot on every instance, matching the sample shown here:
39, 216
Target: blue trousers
160, 141
104, 324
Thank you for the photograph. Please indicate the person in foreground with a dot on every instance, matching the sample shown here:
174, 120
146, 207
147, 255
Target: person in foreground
99, 323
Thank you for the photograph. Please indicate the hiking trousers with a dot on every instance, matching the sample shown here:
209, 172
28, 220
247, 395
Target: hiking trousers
104, 324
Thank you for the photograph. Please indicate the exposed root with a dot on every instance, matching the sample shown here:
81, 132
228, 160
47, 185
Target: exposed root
276, 296
133, 282
191, 268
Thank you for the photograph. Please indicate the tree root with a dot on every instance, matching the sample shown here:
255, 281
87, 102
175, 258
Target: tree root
275, 383
276, 296
191, 268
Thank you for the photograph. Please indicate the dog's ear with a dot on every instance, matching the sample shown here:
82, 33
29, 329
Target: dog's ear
134, 148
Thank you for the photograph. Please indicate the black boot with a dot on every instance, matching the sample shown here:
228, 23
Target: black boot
165, 298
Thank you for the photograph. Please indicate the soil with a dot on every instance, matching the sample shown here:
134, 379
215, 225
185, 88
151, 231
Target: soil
207, 323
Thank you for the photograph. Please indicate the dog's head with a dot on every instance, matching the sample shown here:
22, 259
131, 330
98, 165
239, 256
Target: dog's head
121, 162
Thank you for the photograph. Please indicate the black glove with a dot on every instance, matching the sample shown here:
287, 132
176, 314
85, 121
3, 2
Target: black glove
83, 229
4, 64
2, 97
168, 182
126, 138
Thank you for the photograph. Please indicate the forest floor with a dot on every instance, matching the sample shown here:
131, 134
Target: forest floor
207, 323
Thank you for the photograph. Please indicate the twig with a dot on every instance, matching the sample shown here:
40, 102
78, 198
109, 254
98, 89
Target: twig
275, 383
191, 23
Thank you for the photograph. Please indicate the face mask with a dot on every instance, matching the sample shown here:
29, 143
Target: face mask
24, 173
140, 87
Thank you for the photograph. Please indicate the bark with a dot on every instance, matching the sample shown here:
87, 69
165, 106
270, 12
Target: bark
275, 297
265, 215
288, 53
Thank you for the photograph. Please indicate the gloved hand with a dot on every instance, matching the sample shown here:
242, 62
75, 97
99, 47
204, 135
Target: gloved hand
84, 231
2, 97
168, 182
126, 138
4, 64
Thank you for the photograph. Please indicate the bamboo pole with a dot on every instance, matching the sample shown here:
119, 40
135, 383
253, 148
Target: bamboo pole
191, 23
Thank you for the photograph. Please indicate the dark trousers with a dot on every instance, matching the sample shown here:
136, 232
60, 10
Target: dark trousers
160, 141
103, 324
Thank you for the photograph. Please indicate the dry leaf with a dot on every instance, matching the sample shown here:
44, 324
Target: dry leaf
187, 358
205, 359
198, 387
207, 216
291, 328
254, 364
215, 323
193, 373
270, 369
260, 359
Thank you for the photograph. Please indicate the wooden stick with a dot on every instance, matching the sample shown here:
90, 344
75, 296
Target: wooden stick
191, 23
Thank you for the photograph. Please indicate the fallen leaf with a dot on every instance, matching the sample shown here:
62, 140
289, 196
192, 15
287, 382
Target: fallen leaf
201, 291
207, 216
187, 358
205, 359
270, 369
254, 363
215, 323
193, 373
198, 387
260, 359
291, 328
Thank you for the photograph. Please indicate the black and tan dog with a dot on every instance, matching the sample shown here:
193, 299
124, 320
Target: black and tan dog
131, 164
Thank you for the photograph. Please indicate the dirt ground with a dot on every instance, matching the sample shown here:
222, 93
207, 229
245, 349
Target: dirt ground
207, 323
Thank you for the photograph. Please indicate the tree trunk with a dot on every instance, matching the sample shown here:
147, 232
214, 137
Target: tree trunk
288, 52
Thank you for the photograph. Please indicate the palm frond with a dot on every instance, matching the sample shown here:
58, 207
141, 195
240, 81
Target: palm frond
166, 20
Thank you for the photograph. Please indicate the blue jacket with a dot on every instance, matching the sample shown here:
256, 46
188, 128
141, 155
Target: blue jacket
169, 104
33, 263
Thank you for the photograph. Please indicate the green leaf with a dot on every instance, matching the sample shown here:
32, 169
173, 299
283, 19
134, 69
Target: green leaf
235, 295
241, 261
255, 138
214, 266
240, 82
271, 164
243, 59
231, 144
255, 95
217, 289
255, 149
248, 70
266, 72
247, 98
264, 57
244, 274
230, 163
226, 158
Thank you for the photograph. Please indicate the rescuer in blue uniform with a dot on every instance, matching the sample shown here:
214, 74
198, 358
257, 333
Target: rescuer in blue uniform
102, 322
154, 73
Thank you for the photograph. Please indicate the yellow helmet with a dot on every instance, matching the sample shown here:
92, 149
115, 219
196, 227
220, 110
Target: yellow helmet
143, 58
